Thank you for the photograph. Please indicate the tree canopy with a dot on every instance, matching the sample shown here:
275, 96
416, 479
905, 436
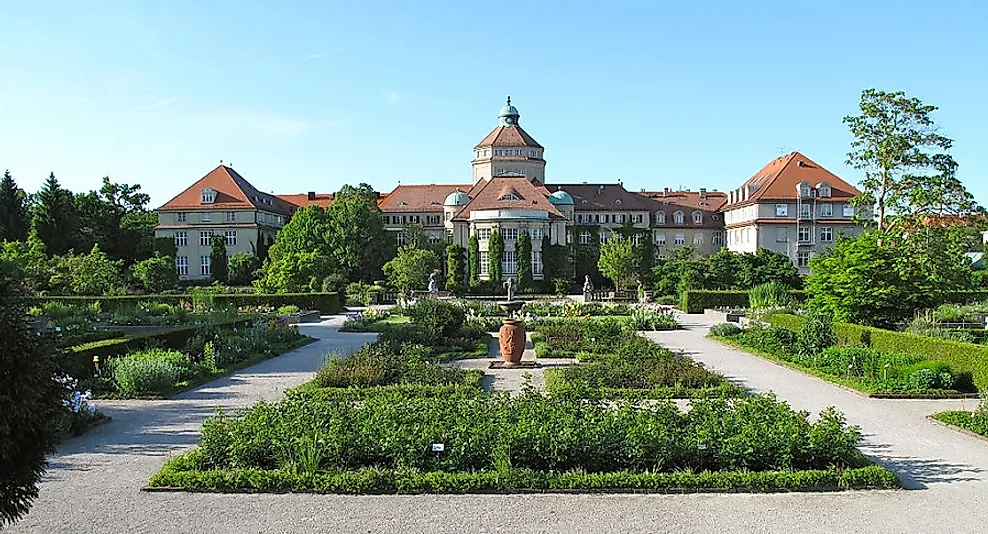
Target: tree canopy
14, 222
410, 269
619, 262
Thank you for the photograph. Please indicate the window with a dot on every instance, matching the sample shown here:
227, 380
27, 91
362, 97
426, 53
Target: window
208, 196
231, 216
604, 237
638, 218
205, 217
400, 239
677, 217
803, 258
509, 233
584, 238
805, 211
433, 220
181, 239
435, 236
509, 265
782, 210
536, 262
660, 240
386, 219
718, 238
804, 234
680, 238
827, 234
484, 263
230, 236
824, 190
182, 265
509, 196
204, 266
483, 234
698, 239
826, 210
636, 239
697, 217
180, 217
781, 234
205, 239
848, 210
449, 215
619, 219
536, 234
605, 218
660, 217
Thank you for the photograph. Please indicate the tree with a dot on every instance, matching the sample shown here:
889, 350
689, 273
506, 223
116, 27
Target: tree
295, 272
89, 274
54, 217
905, 161
363, 192
243, 265
495, 252
473, 246
14, 223
455, 268
32, 405
618, 261
219, 263
156, 274
523, 253
358, 242
411, 268
29, 262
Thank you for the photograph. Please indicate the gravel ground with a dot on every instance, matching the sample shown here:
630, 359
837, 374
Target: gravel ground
94, 482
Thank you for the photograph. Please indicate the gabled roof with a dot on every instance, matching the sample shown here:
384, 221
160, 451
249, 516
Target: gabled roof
417, 198
530, 196
232, 192
693, 200
777, 180
303, 200
508, 136
603, 197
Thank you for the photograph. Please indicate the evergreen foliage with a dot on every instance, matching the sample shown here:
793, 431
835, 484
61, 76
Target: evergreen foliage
495, 254
455, 268
54, 217
523, 253
13, 211
156, 274
474, 259
218, 260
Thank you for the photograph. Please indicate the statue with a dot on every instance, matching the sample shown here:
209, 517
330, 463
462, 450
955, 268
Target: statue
433, 285
587, 284
510, 286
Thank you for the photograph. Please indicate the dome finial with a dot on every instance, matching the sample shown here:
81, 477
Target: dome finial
509, 100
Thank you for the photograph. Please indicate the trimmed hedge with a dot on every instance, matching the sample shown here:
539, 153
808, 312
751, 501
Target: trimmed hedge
180, 473
78, 360
959, 355
695, 301
327, 303
456, 391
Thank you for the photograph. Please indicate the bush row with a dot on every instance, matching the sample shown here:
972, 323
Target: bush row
960, 356
180, 473
695, 301
326, 303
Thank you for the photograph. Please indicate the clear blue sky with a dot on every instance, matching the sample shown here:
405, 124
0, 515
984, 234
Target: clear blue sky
306, 96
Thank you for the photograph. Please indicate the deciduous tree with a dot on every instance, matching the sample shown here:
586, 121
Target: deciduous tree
619, 262
156, 274
410, 269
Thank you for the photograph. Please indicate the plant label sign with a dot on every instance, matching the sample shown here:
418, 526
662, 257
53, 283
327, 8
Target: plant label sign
438, 447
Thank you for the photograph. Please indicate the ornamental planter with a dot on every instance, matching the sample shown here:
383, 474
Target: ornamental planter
511, 338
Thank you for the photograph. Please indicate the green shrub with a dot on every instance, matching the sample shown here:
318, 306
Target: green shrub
695, 301
817, 333
769, 295
148, 373
929, 379
384, 364
438, 319
725, 330
288, 309
326, 302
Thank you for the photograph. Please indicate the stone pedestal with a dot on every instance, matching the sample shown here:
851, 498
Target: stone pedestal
511, 339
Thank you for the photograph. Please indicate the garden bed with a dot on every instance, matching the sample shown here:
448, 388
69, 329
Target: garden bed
971, 423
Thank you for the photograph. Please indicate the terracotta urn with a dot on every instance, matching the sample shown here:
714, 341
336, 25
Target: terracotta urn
511, 337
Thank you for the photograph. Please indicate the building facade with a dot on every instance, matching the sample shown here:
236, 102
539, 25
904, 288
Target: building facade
792, 206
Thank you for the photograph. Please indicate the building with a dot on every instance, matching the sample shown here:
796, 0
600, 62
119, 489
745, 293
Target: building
792, 206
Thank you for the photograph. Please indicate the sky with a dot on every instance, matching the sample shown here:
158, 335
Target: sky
307, 96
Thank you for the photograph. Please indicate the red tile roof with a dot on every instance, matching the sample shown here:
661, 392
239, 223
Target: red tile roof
603, 197
322, 200
778, 179
232, 192
530, 196
417, 198
508, 136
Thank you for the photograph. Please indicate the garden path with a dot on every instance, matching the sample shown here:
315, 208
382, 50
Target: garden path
94, 481
512, 380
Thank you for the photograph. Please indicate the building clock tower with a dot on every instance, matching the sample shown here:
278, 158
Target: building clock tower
508, 151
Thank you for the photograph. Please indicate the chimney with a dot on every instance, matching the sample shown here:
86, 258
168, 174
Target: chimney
703, 192
665, 191
312, 195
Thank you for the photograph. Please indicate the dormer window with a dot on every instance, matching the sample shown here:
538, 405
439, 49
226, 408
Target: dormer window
208, 195
677, 217
617, 201
509, 196
823, 189
660, 217
697, 217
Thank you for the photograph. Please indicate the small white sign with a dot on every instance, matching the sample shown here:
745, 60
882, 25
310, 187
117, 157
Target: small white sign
438, 447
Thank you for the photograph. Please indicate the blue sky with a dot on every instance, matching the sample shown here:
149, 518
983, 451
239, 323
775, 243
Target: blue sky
303, 96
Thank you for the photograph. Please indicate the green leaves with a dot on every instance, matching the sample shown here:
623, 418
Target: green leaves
619, 261
411, 268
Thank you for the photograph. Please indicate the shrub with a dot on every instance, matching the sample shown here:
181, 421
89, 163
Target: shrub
695, 301
725, 330
438, 319
384, 364
817, 333
288, 309
149, 372
156, 274
769, 295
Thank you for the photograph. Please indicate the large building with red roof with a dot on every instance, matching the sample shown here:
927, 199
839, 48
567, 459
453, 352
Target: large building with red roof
792, 205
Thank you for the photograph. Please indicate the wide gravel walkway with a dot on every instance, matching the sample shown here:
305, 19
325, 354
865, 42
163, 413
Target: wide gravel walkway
95, 480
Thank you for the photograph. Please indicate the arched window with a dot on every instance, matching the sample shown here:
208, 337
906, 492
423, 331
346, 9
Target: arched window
697, 217
660, 217
677, 217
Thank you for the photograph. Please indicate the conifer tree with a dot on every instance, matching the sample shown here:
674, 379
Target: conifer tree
54, 216
14, 222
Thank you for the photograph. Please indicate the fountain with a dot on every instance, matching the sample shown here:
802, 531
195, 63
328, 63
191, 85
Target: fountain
512, 335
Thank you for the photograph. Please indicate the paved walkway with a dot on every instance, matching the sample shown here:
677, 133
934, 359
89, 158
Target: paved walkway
95, 480
511, 380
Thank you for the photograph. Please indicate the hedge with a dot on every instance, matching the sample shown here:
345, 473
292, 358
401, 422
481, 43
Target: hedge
78, 360
695, 301
959, 355
457, 391
179, 473
327, 303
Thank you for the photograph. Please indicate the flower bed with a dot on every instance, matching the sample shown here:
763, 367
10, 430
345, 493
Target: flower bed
971, 421
388, 444
573, 337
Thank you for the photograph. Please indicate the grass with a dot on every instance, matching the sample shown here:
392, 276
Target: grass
848, 383
963, 420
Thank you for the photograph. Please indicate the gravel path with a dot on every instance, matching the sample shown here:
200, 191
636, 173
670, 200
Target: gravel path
94, 482
511, 380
